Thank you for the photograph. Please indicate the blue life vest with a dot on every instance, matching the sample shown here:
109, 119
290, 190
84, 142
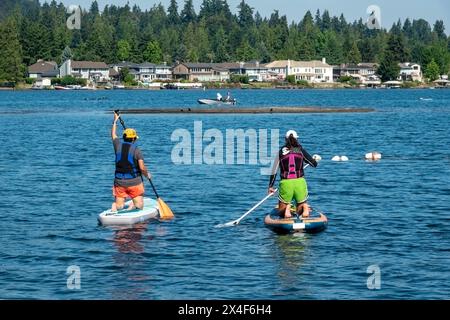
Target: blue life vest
126, 165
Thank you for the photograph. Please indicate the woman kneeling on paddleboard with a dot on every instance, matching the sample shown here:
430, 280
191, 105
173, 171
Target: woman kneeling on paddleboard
129, 169
290, 159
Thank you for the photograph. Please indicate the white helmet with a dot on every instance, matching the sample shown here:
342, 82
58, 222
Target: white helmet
294, 134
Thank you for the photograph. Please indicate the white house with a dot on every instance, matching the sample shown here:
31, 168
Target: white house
90, 70
312, 71
279, 69
163, 72
410, 72
145, 72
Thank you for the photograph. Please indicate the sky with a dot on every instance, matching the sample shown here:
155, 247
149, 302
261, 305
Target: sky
391, 10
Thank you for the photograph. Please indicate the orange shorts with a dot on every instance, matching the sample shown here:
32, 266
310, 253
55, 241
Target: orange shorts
132, 192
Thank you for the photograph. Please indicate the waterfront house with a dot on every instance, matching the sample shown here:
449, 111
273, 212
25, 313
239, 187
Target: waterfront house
255, 71
278, 70
410, 72
364, 73
43, 69
91, 70
312, 71
203, 72
145, 72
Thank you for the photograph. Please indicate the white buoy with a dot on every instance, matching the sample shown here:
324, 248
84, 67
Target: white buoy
339, 158
336, 158
373, 156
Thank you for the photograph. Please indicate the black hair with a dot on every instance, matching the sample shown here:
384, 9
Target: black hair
291, 142
130, 140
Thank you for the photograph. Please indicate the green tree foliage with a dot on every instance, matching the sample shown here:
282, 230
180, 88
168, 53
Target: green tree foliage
153, 52
354, 56
215, 34
388, 68
123, 50
11, 67
432, 71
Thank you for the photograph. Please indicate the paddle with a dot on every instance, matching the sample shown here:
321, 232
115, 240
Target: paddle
165, 212
236, 222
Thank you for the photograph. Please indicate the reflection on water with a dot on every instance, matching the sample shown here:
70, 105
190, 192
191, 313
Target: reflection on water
126, 239
289, 252
129, 262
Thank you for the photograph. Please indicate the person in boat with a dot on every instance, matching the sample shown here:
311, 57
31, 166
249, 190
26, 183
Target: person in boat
219, 96
130, 168
291, 159
228, 98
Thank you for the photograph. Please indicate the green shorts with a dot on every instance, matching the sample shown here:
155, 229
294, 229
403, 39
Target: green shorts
293, 189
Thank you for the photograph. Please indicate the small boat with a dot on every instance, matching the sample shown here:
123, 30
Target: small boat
62, 88
130, 217
316, 222
217, 102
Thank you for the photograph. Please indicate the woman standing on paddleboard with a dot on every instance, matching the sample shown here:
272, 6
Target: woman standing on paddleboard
290, 159
130, 168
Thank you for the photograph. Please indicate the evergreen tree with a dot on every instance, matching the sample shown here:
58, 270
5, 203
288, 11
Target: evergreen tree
173, 16
439, 29
397, 47
153, 52
66, 54
432, 71
388, 68
188, 13
245, 15
123, 50
354, 56
11, 67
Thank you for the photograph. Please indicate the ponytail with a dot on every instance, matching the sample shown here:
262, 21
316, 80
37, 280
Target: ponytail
291, 142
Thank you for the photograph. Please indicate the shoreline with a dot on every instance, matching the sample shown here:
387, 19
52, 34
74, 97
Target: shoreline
232, 88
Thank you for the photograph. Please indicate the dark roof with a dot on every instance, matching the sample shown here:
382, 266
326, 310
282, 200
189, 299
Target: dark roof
43, 67
199, 65
89, 65
125, 64
146, 65
113, 73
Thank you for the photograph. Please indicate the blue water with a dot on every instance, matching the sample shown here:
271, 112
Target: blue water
56, 169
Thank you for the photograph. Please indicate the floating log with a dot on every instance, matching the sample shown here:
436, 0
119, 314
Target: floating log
234, 110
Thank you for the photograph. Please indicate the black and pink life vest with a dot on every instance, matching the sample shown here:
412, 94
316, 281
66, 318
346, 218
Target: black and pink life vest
291, 163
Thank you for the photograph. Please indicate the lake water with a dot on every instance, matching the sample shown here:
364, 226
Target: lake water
56, 173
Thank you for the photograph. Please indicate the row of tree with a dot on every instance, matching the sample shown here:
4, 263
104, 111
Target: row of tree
31, 31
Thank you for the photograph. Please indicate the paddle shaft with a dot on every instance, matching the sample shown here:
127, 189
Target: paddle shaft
120, 119
153, 187
255, 206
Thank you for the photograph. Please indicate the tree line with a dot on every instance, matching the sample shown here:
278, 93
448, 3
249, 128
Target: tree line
30, 31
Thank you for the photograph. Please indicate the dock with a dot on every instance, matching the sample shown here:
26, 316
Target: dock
234, 110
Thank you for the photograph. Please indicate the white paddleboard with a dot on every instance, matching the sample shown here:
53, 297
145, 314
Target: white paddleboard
129, 217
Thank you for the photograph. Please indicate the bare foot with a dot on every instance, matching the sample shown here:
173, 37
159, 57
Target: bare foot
131, 207
305, 211
114, 207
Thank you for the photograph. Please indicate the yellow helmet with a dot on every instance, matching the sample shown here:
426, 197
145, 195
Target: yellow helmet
130, 134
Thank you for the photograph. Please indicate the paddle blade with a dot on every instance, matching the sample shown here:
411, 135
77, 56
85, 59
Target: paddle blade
164, 211
228, 224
